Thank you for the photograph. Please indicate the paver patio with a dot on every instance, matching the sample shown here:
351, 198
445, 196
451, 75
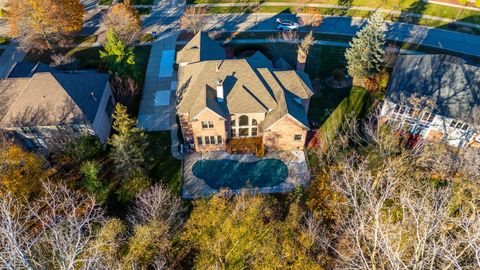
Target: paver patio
298, 174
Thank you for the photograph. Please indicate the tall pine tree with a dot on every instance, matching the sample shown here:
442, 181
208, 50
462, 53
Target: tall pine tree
365, 56
129, 145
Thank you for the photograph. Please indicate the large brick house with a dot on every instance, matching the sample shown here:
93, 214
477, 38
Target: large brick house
42, 107
436, 97
221, 100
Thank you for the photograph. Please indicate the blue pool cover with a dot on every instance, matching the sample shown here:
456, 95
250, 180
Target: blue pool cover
233, 174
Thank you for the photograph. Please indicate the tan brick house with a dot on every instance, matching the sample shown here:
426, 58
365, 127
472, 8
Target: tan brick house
450, 89
222, 100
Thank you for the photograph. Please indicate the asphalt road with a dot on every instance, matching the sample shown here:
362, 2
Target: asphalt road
165, 16
432, 37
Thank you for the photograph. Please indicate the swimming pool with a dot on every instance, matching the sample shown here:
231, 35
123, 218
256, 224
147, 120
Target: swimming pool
233, 174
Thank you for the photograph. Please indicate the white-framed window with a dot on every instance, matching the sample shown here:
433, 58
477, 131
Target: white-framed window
199, 140
247, 127
297, 137
459, 125
207, 124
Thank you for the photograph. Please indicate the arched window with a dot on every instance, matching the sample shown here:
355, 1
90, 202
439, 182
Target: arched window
254, 122
243, 120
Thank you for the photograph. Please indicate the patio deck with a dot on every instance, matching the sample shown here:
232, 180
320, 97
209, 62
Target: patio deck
295, 161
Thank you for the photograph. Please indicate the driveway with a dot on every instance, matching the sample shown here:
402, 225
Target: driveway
157, 106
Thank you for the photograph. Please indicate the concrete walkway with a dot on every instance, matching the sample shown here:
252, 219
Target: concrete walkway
175, 142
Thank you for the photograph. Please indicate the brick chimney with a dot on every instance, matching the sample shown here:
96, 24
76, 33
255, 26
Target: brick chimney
219, 90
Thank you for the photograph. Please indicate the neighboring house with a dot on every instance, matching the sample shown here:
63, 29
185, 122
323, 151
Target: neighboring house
44, 107
222, 100
451, 86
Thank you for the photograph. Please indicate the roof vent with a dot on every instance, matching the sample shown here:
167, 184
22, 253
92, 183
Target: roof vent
93, 96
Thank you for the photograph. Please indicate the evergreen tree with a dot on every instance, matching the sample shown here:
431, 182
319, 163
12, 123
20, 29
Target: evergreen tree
365, 55
129, 145
94, 186
119, 58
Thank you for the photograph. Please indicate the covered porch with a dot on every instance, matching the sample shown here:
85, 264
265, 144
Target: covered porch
247, 145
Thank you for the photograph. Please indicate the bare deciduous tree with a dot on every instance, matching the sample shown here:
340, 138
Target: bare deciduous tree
404, 208
290, 37
156, 204
193, 19
53, 231
124, 21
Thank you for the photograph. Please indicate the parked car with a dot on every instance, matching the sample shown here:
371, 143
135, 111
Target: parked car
285, 25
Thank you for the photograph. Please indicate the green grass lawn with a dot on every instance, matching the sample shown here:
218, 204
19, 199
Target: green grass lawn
144, 11
4, 40
324, 103
165, 168
105, 2
355, 105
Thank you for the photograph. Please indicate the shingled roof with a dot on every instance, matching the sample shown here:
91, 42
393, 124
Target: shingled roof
51, 98
200, 48
450, 82
250, 86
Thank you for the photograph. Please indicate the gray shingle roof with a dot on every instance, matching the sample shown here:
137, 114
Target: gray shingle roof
451, 83
26, 69
281, 64
200, 48
51, 98
250, 86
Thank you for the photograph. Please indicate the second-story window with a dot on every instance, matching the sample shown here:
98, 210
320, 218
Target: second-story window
459, 125
207, 124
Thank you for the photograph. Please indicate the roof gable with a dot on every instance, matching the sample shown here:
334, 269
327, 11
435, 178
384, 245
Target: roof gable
200, 48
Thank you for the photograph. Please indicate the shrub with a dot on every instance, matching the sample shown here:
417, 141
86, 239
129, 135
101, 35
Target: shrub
148, 37
84, 148
4, 40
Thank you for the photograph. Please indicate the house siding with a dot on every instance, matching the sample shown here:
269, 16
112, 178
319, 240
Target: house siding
103, 122
51, 138
217, 130
439, 129
281, 135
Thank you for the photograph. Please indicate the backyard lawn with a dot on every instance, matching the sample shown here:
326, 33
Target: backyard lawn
164, 167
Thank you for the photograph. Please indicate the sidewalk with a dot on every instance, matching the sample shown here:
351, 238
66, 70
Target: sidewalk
452, 5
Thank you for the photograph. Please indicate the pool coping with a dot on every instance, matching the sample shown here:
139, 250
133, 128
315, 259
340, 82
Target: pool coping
296, 162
